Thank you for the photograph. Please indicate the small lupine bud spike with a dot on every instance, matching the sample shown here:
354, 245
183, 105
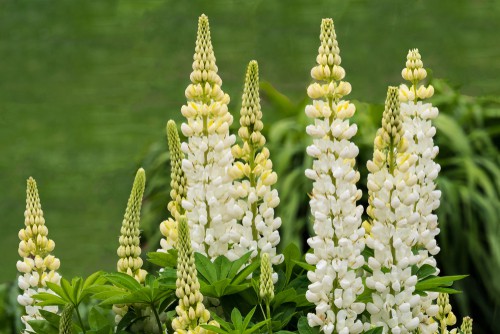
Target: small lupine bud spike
414, 72
266, 291
190, 312
177, 177
66, 323
38, 266
204, 68
251, 114
129, 250
391, 119
466, 327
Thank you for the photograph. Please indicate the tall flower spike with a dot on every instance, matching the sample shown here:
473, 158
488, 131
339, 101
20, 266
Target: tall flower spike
178, 188
38, 266
254, 178
191, 312
211, 210
414, 72
419, 133
129, 251
338, 240
391, 230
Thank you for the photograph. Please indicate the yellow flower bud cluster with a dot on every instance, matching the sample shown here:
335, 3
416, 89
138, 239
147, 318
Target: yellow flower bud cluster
328, 71
254, 178
178, 186
266, 287
191, 312
414, 72
389, 140
38, 266
129, 250
466, 327
445, 316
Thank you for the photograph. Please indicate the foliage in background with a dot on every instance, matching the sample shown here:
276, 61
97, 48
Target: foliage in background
468, 133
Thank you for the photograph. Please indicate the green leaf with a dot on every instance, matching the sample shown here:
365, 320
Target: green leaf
162, 259
431, 283
304, 327
236, 319
291, 254
222, 267
205, 267
49, 299
214, 329
242, 275
376, 330
305, 265
124, 281
43, 326
425, 271
97, 320
248, 317
237, 264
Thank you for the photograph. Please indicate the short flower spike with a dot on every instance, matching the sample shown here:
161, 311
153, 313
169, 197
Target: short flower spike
190, 312
178, 186
129, 250
38, 266
414, 72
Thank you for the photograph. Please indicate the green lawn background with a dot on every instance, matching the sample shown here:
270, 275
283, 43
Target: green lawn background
87, 86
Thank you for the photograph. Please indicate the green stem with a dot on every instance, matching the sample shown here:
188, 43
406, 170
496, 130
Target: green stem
269, 325
80, 319
158, 322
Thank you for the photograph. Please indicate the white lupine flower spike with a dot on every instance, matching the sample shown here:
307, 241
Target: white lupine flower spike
419, 133
168, 228
210, 207
254, 178
339, 237
38, 266
392, 229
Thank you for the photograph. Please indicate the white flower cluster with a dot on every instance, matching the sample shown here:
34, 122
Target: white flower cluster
254, 179
393, 229
38, 266
210, 208
419, 133
339, 237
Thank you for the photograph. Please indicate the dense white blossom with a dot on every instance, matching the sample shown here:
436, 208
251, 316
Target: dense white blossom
419, 133
254, 178
210, 207
393, 227
38, 266
338, 240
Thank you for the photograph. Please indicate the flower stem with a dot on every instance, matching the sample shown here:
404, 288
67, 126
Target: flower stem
157, 317
80, 319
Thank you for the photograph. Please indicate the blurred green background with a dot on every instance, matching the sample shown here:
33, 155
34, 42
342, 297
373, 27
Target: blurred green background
86, 88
